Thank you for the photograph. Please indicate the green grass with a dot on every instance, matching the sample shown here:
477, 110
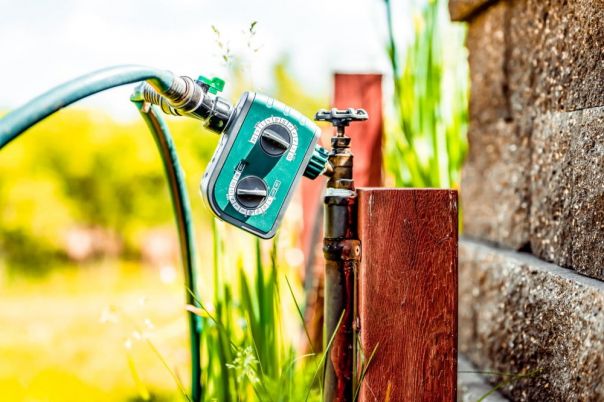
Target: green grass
425, 141
84, 332
250, 332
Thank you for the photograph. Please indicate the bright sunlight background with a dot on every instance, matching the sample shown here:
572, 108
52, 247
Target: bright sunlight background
46, 42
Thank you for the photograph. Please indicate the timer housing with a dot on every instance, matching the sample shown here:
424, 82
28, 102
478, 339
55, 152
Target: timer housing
264, 150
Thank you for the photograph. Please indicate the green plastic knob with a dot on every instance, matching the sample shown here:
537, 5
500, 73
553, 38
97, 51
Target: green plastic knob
317, 163
216, 84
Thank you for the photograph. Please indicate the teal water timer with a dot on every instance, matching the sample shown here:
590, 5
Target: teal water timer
265, 148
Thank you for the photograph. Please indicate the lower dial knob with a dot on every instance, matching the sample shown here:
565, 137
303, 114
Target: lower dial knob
251, 192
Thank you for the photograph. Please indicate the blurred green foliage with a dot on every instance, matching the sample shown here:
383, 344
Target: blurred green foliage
82, 169
251, 325
426, 141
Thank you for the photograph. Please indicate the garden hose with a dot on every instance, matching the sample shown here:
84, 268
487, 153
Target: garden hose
46, 104
186, 234
16, 122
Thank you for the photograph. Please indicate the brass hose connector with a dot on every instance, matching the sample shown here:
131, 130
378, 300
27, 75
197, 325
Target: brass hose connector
186, 97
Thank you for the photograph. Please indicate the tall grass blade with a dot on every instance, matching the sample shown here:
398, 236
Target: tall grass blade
426, 144
181, 388
142, 390
364, 368
301, 315
321, 365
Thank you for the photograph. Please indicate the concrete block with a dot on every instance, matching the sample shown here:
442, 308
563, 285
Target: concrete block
487, 58
587, 225
555, 53
551, 188
495, 180
567, 190
520, 315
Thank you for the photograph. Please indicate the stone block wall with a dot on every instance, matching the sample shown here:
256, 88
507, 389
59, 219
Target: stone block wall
532, 261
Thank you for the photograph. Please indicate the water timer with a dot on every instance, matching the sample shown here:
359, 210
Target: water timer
265, 149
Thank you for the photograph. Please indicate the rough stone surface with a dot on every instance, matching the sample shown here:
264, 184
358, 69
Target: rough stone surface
535, 176
462, 9
567, 190
533, 56
495, 181
551, 186
537, 74
519, 315
588, 194
552, 54
555, 60
488, 78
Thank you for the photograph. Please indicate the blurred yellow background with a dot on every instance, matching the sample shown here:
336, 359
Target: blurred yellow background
87, 229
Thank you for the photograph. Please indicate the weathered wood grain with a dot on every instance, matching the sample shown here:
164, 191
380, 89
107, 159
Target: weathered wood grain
407, 285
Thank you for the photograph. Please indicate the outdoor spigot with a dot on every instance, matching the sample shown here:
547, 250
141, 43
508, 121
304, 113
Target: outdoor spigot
342, 252
339, 165
341, 118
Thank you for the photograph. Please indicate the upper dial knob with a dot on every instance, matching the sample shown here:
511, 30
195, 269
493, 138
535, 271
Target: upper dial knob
275, 139
251, 192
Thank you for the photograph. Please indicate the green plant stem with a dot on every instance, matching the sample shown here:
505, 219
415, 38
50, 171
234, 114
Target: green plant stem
182, 211
16, 122
428, 145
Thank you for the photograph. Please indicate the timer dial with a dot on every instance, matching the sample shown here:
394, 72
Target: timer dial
275, 139
251, 192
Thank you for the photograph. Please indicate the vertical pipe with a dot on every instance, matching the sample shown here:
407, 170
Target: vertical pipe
342, 253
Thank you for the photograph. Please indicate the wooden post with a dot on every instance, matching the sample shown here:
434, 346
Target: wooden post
363, 91
407, 285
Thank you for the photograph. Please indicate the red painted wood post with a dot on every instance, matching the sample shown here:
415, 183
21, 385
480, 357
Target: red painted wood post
407, 300
363, 91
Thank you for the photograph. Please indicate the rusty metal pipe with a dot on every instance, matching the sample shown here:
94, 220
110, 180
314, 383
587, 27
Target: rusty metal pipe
342, 251
342, 254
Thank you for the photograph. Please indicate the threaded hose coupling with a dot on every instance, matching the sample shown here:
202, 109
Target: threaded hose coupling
187, 97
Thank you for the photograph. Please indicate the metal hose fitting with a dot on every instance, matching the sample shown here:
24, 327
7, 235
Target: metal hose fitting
184, 94
150, 95
186, 97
